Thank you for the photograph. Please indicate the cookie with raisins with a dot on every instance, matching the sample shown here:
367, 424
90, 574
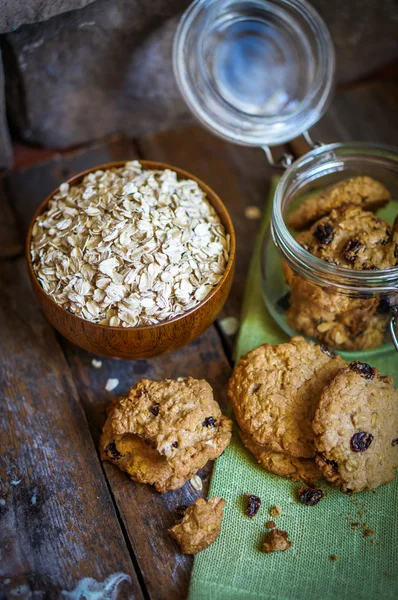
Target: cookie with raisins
356, 429
360, 328
162, 433
171, 415
352, 238
365, 192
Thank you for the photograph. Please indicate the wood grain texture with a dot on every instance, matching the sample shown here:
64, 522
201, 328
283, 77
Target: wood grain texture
58, 523
138, 342
10, 240
240, 175
145, 513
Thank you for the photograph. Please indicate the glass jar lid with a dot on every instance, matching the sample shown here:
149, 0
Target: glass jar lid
256, 72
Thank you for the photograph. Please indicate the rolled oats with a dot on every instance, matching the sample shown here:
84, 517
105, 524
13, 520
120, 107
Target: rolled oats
129, 247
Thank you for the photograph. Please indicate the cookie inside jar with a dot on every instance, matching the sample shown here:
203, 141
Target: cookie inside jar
330, 259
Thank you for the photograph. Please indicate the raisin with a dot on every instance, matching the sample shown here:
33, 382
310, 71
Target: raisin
387, 239
328, 352
394, 442
155, 410
370, 268
351, 249
113, 451
324, 233
284, 301
209, 422
175, 444
253, 505
180, 510
361, 441
362, 369
383, 306
310, 496
331, 463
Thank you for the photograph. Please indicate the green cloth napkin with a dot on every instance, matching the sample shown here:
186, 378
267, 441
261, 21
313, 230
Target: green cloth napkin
234, 568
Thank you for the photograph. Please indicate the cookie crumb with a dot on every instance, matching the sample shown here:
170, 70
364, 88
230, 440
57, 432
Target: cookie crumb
97, 364
111, 384
270, 524
200, 525
275, 511
333, 557
253, 505
277, 541
196, 483
368, 532
253, 213
229, 325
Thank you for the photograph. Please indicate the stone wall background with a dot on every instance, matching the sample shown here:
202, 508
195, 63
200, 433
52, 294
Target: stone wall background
78, 70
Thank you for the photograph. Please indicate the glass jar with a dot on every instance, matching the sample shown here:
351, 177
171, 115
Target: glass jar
260, 73
342, 308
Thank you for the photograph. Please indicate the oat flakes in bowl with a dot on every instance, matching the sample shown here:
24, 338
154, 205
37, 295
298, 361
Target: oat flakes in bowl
131, 247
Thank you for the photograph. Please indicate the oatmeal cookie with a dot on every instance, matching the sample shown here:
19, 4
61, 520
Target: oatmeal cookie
275, 390
280, 463
140, 458
200, 526
324, 298
362, 327
356, 429
365, 192
352, 238
171, 415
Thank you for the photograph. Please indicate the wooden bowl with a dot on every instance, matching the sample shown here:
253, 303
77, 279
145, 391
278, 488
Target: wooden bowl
146, 341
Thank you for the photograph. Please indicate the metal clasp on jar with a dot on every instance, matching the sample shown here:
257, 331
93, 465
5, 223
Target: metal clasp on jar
287, 159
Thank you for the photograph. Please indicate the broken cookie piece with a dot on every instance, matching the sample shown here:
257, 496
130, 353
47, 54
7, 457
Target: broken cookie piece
200, 526
276, 541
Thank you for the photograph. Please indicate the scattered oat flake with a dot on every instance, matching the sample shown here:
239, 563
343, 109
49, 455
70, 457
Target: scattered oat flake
196, 482
333, 557
97, 364
275, 511
229, 325
111, 384
253, 213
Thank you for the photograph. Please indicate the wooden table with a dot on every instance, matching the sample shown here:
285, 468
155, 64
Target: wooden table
64, 515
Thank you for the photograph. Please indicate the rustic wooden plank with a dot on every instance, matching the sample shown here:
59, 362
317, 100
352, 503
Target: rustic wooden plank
145, 513
57, 520
239, 175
